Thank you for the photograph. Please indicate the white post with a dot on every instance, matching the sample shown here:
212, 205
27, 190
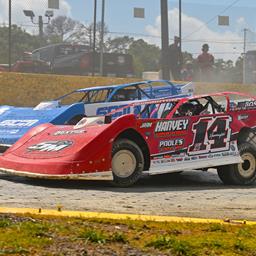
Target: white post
102, 37
244, 68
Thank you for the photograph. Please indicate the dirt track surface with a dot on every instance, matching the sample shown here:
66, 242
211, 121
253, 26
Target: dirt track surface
189, 194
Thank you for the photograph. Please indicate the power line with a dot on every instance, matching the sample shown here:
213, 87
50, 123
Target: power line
212, 19
158, 37
186, 41
216, 53
134, 34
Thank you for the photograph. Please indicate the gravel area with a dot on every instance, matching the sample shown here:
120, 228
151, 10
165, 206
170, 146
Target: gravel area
189, 194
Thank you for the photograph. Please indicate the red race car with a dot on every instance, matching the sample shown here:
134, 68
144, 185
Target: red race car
161, 136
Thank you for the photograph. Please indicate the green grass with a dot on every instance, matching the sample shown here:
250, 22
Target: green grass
30, 235
93, 236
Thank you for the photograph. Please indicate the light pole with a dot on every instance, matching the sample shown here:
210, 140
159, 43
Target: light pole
180, 30
165, 40
94, 37
102, 37
244, 59
10, 36
40, 23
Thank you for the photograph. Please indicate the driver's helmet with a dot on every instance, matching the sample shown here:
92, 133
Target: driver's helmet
186, 109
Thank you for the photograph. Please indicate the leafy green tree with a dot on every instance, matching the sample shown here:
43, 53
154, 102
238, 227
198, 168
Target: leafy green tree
146, 56
119, 44
21, 42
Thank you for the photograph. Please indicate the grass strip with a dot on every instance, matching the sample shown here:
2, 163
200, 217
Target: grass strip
42, 235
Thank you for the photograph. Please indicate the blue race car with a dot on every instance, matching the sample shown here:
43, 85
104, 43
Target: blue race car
70, 108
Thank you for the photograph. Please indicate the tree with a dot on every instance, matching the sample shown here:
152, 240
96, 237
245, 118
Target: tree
21, 42
60, 27
84, 35
119, 44
146, 56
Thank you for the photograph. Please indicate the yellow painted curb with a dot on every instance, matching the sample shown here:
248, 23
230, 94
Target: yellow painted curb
116, 216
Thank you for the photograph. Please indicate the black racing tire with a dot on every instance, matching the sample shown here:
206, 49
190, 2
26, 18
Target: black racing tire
242, 173
127, 162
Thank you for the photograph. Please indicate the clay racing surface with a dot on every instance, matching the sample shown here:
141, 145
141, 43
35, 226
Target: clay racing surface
188, 194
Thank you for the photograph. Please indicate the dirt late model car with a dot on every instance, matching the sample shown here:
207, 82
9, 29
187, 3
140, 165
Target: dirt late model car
168, 135
70, 108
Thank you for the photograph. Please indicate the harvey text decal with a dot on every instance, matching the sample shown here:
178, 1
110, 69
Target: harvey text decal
176, 127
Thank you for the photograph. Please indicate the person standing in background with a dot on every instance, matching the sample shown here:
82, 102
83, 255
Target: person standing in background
205, 61
175, 58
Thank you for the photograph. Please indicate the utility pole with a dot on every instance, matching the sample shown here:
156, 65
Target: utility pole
10, 36
165, 40
102, 38
41, 25
244, 53
94, 38
180, 30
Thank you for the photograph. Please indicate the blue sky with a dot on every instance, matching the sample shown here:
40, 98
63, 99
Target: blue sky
119, 12
225, 40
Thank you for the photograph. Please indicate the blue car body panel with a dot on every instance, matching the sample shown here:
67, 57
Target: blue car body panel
16, 121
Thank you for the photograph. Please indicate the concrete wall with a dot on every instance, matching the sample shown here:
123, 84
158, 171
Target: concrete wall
30, 89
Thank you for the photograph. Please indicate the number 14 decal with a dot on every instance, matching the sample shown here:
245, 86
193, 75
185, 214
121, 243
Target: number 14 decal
211, 134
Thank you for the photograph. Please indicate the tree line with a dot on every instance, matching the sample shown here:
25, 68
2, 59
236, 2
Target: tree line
146, 57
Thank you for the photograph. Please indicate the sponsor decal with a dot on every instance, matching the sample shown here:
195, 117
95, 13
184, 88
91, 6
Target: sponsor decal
163, 161
146, 125
242, 117
246, 104
102, 111
50, 146
233, 147
172, 127
158, 157
11, 131
73, 132
250, 104
18, 123
171, 143
187, 158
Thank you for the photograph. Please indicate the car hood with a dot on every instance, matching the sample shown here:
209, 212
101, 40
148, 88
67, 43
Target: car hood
58, 141
52, 141
16, 121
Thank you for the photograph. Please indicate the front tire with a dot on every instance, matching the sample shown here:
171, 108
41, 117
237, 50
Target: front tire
242, 173
127, 162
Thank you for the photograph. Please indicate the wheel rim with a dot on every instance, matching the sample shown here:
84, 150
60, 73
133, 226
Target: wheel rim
123, 163
247, 168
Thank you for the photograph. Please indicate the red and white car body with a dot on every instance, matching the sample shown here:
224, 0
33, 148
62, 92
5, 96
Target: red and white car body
169, 135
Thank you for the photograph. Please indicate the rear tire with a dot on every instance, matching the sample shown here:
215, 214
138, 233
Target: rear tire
242, 173
127, 162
